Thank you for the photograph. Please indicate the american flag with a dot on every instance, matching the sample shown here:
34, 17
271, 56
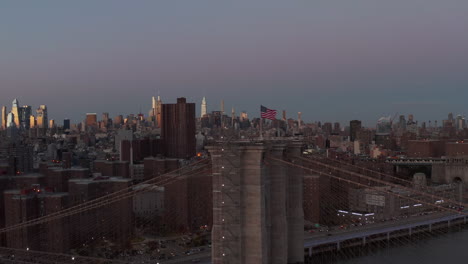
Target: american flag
267, 113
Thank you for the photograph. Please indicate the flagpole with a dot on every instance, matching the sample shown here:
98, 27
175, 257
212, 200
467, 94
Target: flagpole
261, 127
278, 127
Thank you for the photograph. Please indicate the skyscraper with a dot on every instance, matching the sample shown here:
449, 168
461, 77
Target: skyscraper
91, 120
42, 120
203, 107
233, 116
178, 129
450, 117
153, 100
284, 115
299, 119
4, 117
66, 124
155, 112
105, 118
354, 127
222, 107
118, 120
244, 116
11, 125
15, 110
11, 120
402, 122
26, 112
32, 121
460, 122
152, 116
336, 128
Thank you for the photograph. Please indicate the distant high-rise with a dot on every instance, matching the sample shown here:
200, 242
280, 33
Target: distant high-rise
284, 115
4, 117
155, 109
11, 120
244, 116
299, 119
26, 112
151, 113
336, 128
42, 119
203, 107
15, 110
178, 129
402, 122
91, 119
32, 121
118, 120
66, 124
222, 107
460, 122
153, 100
233, 116
105, 118
354, 127
51, 123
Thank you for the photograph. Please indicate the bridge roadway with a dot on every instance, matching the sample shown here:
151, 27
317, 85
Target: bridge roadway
310, 241
416, 161
362, 232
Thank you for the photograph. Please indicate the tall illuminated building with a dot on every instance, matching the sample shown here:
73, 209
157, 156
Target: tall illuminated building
32, 121
4, 117
203, 107
158, 112
91, 120
244, 116
15, 110
11, 126
233, 113
11, 120
52, 123
152, 112
155, 112
42, 119
154, 102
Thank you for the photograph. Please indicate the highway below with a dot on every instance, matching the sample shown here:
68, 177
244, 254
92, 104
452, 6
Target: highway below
336, 236
312, 240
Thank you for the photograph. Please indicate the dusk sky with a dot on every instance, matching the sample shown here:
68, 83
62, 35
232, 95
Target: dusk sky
331, 60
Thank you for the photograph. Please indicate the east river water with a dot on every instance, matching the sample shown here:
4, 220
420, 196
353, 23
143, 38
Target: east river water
430, 248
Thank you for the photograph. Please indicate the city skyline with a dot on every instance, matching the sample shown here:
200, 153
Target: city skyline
368, 59
295, 116
219, 132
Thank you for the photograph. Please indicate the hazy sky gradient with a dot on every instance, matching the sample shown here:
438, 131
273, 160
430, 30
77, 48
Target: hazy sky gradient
332, 60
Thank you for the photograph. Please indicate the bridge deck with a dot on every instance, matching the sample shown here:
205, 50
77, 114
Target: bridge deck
366, 231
